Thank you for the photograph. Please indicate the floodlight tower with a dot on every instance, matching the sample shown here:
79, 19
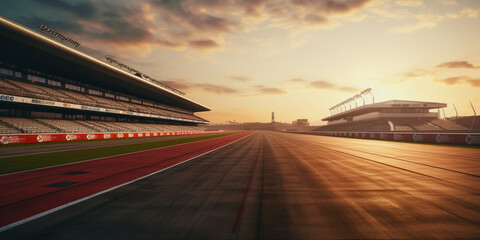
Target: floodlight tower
361, 96
345, 105
369, 91
456, 113
350, 105
273, 117
353, 99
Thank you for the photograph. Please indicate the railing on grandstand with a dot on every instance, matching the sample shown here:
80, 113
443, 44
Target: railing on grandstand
142, 75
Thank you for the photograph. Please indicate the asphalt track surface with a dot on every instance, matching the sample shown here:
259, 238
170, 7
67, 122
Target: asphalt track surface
273, 185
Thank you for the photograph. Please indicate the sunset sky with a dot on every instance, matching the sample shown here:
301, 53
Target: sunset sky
245, 59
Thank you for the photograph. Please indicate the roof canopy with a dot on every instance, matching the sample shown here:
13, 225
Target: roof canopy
384, 105
25, 47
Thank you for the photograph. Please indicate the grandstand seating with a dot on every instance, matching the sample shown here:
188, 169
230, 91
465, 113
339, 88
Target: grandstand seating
419, 124
8, 86
27, 125
447, 125
467, 122
6, 128
9, 125
375, 125
67, 126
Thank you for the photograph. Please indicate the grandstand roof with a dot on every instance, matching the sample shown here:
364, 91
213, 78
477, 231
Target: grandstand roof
25, 47
383, 105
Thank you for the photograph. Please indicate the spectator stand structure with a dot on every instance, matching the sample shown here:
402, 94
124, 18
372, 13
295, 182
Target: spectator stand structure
47, 87
398, 120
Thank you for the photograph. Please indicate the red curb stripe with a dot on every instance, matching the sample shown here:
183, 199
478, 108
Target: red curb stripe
245, 195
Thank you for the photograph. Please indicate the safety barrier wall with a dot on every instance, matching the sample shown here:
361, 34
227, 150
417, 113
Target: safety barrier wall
40, 138
442, 138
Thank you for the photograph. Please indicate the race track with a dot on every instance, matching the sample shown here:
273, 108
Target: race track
273, 185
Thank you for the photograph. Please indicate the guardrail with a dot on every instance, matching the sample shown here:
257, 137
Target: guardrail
62, 137
440, 138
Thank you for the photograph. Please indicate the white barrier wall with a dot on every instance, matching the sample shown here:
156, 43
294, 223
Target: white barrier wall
444, 138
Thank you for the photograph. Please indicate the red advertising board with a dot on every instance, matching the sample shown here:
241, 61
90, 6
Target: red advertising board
40, 138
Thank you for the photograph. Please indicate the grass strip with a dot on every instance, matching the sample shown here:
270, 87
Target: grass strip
26, 162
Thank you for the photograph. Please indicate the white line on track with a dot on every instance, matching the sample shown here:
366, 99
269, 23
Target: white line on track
18, 223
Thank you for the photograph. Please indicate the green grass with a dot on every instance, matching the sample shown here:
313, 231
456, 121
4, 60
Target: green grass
26, 162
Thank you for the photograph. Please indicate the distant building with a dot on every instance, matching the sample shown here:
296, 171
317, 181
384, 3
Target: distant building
387, 110
394, 115
301, 122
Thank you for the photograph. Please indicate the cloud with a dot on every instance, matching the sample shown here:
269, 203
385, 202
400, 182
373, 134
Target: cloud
240, 78
427, 20
328, 85
430, 20
413, 74
301, 15
182, 20
321, 85
297, 80
459, 80
178, 84
409, 3
466, 12
218, 89
84, 9
272, 91
269, 90
456, 64
395, 13
171, 45
204, 44
470, 12
453, 80
183, 85
348, 89
474, 82
331, 6
126, 28
449, 2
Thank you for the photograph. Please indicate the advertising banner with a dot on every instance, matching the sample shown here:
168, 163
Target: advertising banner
42, 138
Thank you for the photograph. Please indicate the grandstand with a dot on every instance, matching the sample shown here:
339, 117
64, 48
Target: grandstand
49, 87
394, 115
